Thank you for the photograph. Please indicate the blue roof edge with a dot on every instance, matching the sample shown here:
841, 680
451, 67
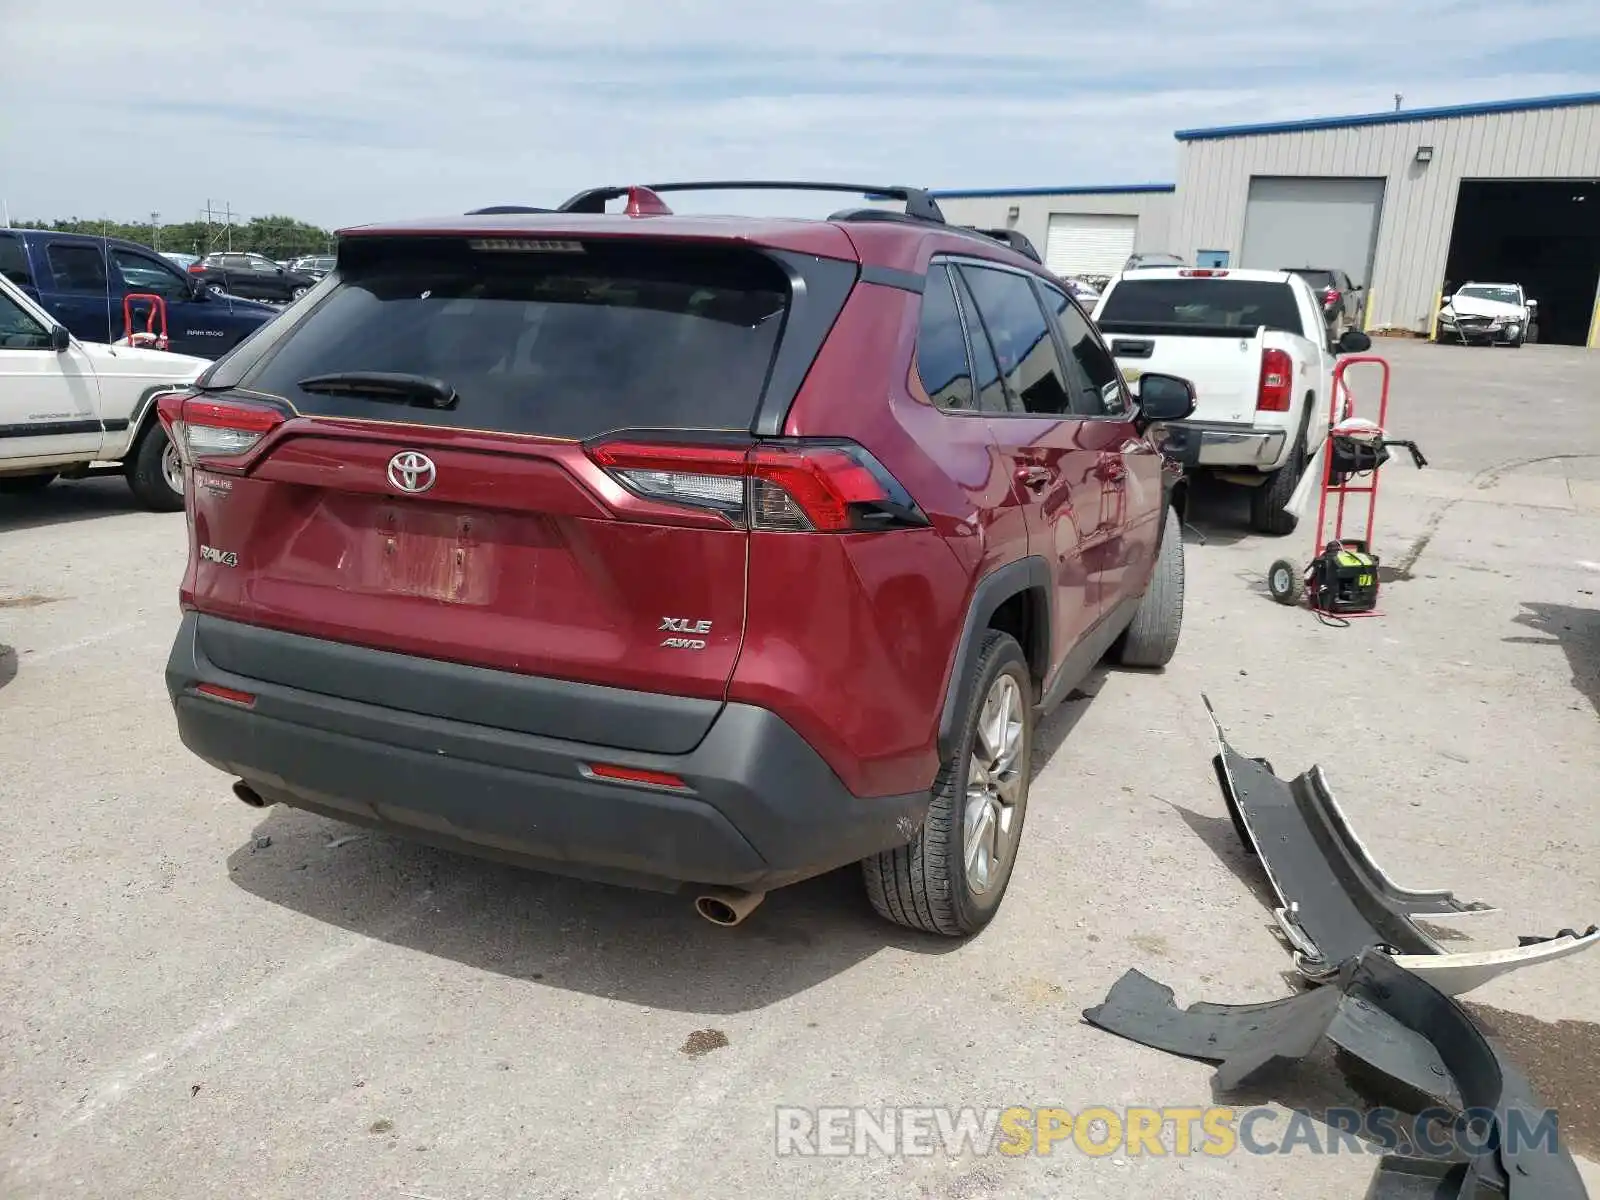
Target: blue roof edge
1109, 190
1397, 117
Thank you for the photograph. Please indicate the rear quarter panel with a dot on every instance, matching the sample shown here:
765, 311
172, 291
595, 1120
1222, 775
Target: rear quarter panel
852, 639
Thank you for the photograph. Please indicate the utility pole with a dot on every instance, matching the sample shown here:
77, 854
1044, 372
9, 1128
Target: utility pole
155, 232
1397, 99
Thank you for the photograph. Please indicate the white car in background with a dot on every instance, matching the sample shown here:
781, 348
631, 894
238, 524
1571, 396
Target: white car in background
72, 408
1488, 314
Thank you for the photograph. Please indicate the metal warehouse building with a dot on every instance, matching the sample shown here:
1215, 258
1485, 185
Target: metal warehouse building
1403, 201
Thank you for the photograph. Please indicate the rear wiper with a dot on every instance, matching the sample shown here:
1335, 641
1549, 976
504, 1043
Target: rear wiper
395, 386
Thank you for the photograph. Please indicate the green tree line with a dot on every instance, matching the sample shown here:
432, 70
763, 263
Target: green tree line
276, 237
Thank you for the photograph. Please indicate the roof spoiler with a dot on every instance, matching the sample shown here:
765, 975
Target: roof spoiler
918, 202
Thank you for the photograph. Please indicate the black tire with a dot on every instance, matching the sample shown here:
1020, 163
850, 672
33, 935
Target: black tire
925, 885
1285, 582
24, 485
1151, 639
145, 477
1532, 334
297, 293
1267, 500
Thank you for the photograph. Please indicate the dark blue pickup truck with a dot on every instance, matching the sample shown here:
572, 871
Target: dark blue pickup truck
81, 281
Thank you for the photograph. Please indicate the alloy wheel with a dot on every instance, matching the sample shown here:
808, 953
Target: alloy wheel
992, 817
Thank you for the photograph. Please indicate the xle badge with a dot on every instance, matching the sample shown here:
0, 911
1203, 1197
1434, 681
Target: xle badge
226, 558
682, 625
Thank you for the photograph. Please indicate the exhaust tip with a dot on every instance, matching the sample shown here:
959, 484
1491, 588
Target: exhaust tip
727, 906
249, 795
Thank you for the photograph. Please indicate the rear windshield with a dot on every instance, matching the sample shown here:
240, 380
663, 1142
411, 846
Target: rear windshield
1246, 304
1316, 279
560, 338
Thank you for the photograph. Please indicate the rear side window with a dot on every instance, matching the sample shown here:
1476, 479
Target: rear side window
76, 268
942, 346
1021, 339
14, 260
1240, 302
568, 343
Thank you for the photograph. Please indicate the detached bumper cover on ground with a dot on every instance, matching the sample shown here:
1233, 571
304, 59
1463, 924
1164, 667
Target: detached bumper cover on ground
1394, 1022
1335, 901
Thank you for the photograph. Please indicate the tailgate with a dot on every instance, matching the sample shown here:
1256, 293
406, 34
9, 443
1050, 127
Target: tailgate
1224, 366
464, 517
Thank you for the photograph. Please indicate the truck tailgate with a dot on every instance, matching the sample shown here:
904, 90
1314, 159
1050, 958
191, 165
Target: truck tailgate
1223, 363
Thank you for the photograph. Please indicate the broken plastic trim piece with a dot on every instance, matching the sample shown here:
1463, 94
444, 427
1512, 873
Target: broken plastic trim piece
1335, 901
1402, 1027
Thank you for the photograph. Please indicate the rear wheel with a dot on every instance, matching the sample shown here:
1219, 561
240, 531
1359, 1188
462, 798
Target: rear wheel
1267, 513
1152, 638
154, 471
14, 485
952, 877
298, 292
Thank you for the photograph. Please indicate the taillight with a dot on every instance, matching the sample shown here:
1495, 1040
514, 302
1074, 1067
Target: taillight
196, 268
204, 430
1277, 380
779, 487
1330, 297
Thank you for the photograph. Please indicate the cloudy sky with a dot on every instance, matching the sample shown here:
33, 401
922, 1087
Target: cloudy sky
342, 111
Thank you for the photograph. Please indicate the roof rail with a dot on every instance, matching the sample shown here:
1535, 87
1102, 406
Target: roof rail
917, 200
1017, 240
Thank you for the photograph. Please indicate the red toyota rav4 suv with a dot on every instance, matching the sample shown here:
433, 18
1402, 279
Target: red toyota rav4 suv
692, 553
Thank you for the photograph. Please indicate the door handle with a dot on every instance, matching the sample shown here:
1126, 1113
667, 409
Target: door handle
1034, 477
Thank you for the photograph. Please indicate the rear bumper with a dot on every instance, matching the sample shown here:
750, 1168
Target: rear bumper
1212, 444
761, 809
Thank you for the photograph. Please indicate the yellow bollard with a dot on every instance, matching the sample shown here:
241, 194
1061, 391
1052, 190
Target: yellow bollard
1594, 325
1433, 321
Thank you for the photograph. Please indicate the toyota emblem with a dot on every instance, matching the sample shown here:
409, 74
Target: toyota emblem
412, 472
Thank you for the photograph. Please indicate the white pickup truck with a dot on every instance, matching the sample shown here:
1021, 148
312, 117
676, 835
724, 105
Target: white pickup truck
72, 408
1255, 346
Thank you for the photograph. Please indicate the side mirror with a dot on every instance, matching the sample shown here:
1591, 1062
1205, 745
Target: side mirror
1164, 398
60, 338
1533, 304
1353, 341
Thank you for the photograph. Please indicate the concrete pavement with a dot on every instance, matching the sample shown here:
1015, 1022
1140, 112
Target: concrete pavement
198, 999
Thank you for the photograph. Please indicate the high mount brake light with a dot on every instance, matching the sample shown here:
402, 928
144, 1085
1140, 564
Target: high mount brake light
1203, 273
1277, 381
792, 487
204, 430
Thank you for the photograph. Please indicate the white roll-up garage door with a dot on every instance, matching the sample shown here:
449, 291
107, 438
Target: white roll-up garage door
1089, 243
1327, 223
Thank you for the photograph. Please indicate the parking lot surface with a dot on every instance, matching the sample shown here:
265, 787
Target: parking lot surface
198, 999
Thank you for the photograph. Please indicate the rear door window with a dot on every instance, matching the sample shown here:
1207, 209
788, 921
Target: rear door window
562, 338
76, 267
1022, 343
1238, 302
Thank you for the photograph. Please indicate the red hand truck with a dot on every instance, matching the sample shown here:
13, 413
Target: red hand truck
149, 336
1342, 577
